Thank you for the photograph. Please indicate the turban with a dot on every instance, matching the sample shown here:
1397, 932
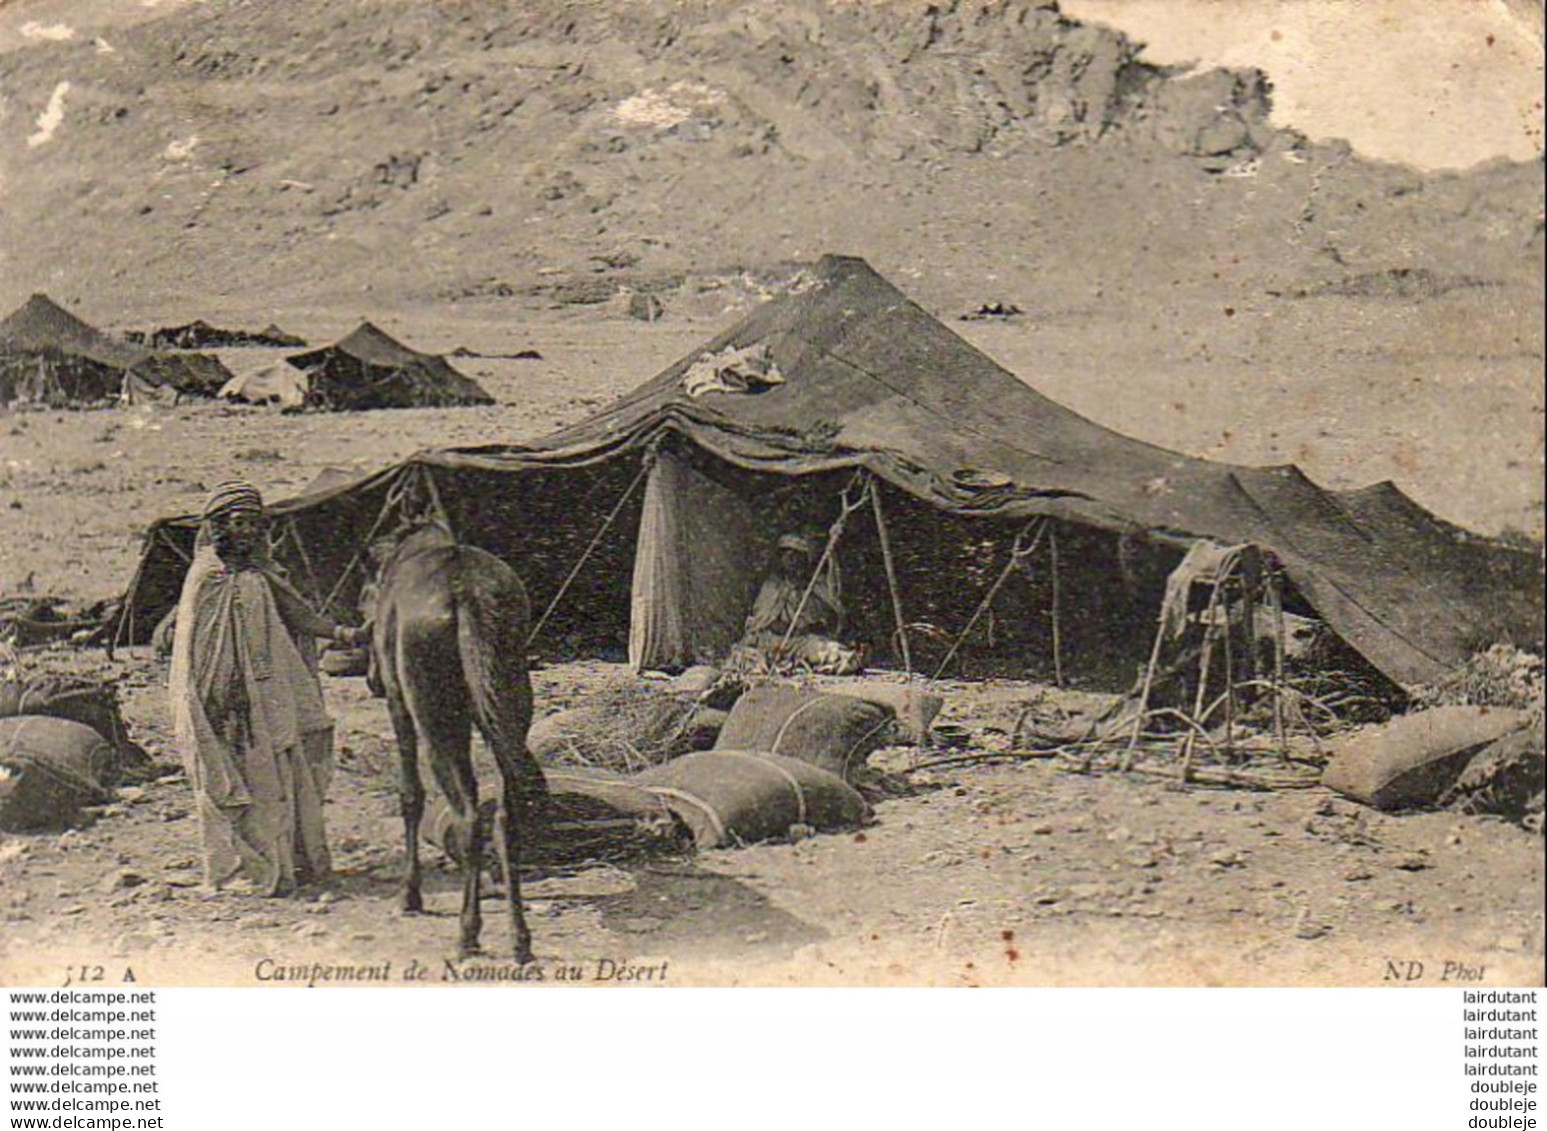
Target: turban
795, 542
234, 497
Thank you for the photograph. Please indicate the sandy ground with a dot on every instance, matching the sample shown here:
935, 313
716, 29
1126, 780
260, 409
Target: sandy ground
988, 874
981, 874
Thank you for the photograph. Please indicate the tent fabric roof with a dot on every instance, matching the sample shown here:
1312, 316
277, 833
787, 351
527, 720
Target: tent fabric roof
870, 378
42, 324
844, 371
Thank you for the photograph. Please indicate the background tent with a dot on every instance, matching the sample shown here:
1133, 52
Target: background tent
369, 369
844, 381
49, 356
199, 334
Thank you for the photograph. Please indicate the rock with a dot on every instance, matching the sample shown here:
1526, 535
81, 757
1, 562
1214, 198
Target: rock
1412, 862
132, 794
120, 880
1307, 928
1355, 875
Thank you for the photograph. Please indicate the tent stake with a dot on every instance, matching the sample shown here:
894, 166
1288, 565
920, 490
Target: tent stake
891, 578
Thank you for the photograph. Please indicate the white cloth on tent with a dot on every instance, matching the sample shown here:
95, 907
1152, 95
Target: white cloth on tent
693, 569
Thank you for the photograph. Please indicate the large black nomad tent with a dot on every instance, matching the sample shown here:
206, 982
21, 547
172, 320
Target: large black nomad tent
48, 356
646, 525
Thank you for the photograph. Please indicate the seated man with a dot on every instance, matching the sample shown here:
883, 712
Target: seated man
811, 620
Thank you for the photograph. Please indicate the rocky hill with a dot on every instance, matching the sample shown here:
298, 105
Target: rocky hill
437, 150
1252, 295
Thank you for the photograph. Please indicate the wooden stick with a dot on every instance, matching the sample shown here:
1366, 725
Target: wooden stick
891, 578
1144, 693
1229, 675
834, 532
644, 469
1203, 677
1017, 552
1276, 601
294, 531
1058, 658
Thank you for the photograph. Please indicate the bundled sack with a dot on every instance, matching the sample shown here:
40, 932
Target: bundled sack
1505, 779
740, 797
77, 700
591, 816
1414, 759
625, 731
50, 769
915, 708
834, 732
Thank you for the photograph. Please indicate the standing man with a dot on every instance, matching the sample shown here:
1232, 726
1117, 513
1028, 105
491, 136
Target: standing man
247, 707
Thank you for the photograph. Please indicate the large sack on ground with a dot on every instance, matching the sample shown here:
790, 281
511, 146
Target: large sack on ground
49, 771
1505, 778
626, 733
741, 797
592, 816
78, 700
1414, 759
914, 707
834, 732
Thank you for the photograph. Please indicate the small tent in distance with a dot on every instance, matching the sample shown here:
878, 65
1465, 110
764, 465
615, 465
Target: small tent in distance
49, 356
370, 369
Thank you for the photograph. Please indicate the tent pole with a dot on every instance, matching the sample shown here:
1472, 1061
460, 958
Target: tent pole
173, 546
393, 501
1229, 674
1276, 601
1204, 663
434, 493
1058, 649
294, 530
1144, 691
891, 578
1017, 553
644, 469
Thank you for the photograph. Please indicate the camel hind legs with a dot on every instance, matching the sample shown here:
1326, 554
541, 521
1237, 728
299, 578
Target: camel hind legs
507, 839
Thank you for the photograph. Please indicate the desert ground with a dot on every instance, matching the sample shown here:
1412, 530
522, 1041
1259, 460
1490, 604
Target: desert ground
973, 874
